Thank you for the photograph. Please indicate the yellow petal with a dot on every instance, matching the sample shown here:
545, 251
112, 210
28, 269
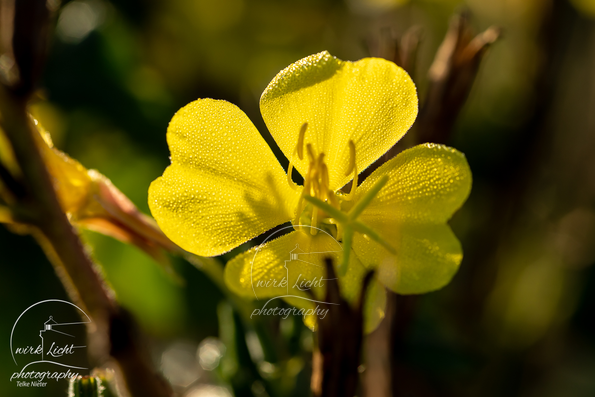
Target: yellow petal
224, 186
427, 184
284, 266
427, 258
278, 267
372, 102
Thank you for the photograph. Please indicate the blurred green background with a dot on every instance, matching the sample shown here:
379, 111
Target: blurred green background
519, 317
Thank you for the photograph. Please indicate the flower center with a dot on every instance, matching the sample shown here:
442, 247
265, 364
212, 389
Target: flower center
320, 206
316, 184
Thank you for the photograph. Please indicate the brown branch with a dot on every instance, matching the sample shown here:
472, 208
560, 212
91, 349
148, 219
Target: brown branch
335, 363
451, 77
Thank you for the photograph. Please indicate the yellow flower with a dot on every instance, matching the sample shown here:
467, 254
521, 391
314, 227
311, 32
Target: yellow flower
331, 119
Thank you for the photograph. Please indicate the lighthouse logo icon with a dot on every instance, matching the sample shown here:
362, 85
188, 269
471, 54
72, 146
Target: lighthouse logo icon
294, 258
57, 344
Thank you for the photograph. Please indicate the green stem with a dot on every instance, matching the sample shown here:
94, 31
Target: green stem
339, 216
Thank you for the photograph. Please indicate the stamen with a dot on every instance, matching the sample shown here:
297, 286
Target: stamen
352, 167
321, 191
299, 149
315, 185
317, 200
300, 144
301, 203
320, 160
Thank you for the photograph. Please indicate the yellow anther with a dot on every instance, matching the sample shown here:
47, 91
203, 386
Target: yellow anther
298, 214
316, 184
300, 144
319, 167
301, 202
351, 165
299, 150
320, 159
352, 168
